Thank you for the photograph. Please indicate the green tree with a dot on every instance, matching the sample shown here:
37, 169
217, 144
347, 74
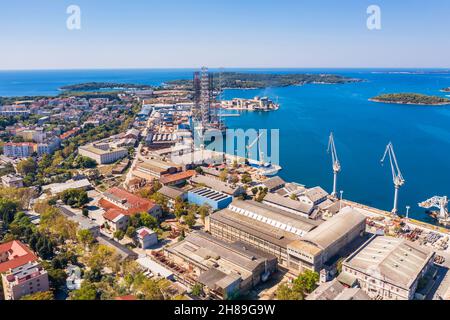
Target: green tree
151, 290
306, 281
246, 178
87, 291
286, 292
130, 231
85, 237
204, 211
149, 221
119, 234
189, 219
223, 176
197, 290
74, 197
179, 207
45, 295
27, 166
8, 208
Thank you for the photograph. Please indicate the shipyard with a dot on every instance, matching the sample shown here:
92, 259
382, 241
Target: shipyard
197, 219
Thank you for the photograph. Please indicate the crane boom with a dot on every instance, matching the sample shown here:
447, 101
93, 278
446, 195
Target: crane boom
335, 162
253, 143
397, 176
438, 202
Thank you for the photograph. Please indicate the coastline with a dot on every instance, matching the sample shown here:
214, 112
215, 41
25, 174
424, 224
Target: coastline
409, 103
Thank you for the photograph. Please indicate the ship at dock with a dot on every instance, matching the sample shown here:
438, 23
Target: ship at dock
441, 203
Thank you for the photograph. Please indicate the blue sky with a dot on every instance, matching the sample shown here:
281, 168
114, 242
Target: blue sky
223, 33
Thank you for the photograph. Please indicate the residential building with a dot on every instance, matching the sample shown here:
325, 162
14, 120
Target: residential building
83, 223
14, 254
14, 110
57, 188
116, 220
177, 179
146, 238
215, 199
388, 268
19, 149
20, 271
24, 280
102, 153
171, 194
127, 203
225, 269
12, 181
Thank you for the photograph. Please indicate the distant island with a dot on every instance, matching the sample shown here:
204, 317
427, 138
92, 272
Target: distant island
93, 86
446, 89
235, 80
411, 98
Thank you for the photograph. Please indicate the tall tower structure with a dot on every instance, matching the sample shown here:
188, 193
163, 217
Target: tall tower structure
196, 112
205, 97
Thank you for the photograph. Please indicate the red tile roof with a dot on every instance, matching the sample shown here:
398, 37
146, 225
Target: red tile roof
20, 144
112, 214
171, 178
17, 254
69, 133
135, 204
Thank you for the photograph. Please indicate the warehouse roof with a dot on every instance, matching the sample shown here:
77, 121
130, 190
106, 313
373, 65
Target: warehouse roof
397, 260
274, 217
202, 247
276, 199
274, 183
316, 193
214, 184
335, 228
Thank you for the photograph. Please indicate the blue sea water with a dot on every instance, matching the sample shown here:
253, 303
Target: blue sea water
421, 134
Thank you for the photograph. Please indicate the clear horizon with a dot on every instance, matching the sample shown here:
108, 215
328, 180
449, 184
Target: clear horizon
254, 34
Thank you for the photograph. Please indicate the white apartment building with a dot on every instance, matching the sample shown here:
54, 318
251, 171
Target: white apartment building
102, 153
12, 181
24, 280
18, 150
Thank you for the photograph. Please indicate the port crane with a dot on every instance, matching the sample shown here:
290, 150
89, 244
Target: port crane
397, 177
249, 154
336, 163
438, 202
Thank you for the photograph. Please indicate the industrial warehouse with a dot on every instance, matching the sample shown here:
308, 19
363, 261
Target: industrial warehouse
297, 242
387, 267
226, 269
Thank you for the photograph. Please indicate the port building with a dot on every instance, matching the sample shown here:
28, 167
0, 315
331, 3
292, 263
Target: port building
280, 233
387, 268
224, 269
325, 242
215, 199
